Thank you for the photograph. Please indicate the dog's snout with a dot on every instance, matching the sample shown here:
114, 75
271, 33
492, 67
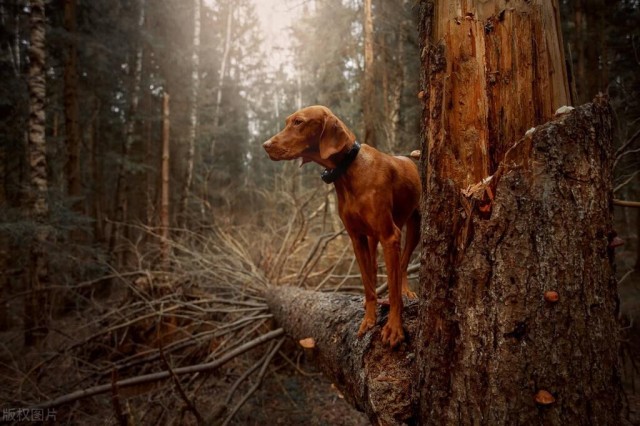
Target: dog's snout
271, 148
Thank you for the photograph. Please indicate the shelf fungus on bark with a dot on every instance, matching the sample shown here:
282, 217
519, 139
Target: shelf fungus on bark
308, 343
551, 296
543, 397
616, 242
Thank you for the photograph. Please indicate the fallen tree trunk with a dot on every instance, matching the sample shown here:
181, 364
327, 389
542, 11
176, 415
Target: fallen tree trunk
373, 378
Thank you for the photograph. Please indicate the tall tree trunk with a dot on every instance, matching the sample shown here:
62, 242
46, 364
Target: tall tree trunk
193, 113
71, 126
221, 73
122, 187
491, 344
13, 46
96, 174
368, 89
35, 305
392, 46
164, 190
637, 225
590, 40
4, 244
503, 68
218, 105
150, 175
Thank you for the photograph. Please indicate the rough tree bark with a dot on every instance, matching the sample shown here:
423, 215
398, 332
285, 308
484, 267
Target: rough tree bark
516, 322
493, 73
370, 376
491, 341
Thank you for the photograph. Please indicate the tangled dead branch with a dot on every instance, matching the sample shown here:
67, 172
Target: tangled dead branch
201, 322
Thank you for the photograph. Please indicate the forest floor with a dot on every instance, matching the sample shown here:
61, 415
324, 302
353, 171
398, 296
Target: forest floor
292, 392
289, 398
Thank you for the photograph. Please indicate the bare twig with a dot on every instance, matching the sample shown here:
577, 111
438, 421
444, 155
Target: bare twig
154, 377
624, 203
620, 152
246, 374
317, 251
296, 365
263, 370
115, 399
183, 395
626, 181
624, 277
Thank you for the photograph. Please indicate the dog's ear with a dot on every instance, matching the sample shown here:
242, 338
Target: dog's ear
335, 136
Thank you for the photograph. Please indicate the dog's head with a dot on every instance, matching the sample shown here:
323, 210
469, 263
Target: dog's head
314, 134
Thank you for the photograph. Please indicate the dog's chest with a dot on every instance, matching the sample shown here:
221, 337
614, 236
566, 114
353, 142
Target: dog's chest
355, 215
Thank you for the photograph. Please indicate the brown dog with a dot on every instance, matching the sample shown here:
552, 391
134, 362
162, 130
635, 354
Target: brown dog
377, 195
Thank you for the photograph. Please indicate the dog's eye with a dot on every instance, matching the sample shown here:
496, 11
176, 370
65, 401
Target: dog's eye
297, 122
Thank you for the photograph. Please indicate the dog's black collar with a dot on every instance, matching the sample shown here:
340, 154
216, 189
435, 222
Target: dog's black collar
331, 175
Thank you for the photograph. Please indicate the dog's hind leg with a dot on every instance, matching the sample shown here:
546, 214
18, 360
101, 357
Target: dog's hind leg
411, 241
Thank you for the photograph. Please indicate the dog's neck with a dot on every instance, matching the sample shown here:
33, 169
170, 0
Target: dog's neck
330, 175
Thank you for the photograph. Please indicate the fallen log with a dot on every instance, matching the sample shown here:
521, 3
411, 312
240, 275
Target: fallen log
372, 377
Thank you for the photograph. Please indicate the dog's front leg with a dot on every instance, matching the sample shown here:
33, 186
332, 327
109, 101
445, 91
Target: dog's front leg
366, 265
392, 332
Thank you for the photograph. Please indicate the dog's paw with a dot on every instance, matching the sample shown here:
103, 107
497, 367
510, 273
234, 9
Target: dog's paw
411, 295
392, 334
366, 325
